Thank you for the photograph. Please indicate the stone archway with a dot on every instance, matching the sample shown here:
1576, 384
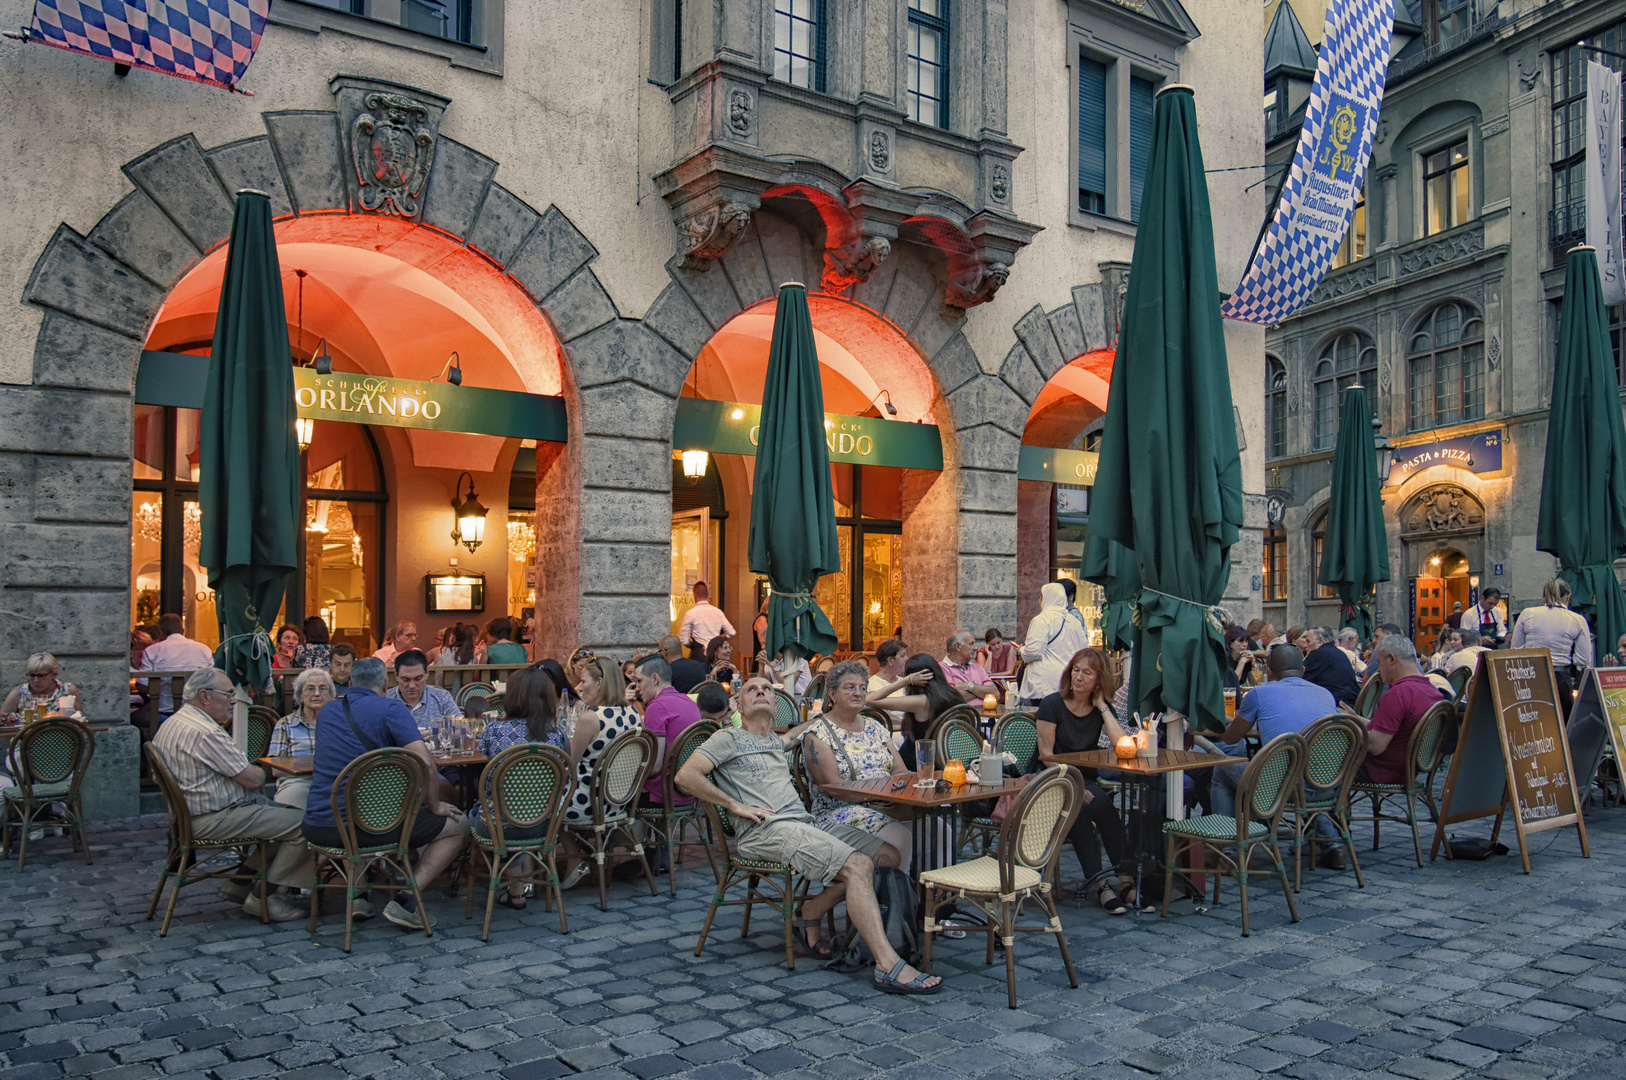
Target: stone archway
65, 441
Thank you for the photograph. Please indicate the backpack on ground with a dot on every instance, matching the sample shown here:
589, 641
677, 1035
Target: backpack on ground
900, 915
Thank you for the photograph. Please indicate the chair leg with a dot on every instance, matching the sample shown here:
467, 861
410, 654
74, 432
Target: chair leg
1244, 856
787, 907
1349, 846
1171, 853
22, 836
638, 850
181, 868
1007, 935
163, 876
711, 913
1376, 820
1281, 872
1049, 906
1298, 853
672, 846
750, 900
603, 878
1411, 819
931, 930
316, 891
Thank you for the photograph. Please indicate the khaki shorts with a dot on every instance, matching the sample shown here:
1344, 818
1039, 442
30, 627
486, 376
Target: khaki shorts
818, 853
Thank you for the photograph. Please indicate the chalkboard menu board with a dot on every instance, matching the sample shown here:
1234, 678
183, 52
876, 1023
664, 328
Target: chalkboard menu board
1512, 746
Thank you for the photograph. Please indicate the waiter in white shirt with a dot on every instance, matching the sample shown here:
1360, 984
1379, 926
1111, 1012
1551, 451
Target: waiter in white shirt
702, 623
174, 652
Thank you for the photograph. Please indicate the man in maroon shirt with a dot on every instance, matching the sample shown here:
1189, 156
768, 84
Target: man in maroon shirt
666, 713
1407, 695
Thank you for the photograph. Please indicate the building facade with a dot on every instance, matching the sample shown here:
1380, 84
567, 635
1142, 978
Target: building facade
606, 198
1444, 303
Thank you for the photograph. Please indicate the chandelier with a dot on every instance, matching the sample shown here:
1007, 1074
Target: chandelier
521, 539
355, 550
149, 518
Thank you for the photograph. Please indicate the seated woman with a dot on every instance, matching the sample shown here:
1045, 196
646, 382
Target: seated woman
531, 714
934, 696
461, 651
289, 639
720, 659
997, 656
788, 671
1239, 668
317, 650
295, 734
42, 689
846, 745
1074, 719
605, 717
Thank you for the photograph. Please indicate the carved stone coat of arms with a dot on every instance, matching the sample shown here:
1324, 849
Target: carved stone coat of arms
394, 149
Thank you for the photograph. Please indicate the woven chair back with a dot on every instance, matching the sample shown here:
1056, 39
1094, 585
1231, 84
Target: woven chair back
51, 751
964, 711
378, 792
1334, 747
1270, 779
702, 685
262, 720
620, 773
1367, 700
678, 752
1038, 821
1428, 737
525, 786
958, 738
1459, 681
1019, 734
180, 818
786, 713
468, 691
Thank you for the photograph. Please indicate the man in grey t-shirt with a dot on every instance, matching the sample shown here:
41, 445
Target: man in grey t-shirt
744, 771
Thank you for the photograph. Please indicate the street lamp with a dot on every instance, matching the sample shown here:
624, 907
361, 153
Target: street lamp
470, 527
694, 465
304, 429
1385, 451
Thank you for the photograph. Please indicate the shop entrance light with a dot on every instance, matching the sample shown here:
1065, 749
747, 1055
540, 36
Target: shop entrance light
469, 527
694, 465
304, 429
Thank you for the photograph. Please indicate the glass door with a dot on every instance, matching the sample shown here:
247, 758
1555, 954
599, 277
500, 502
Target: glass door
691, 559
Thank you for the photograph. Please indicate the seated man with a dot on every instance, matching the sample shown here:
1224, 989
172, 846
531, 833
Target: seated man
360, 720
1408, 695
686, 673
412, 689
1285, 703
666, 713
1349, 643
962, 670
714, 705
338, 665
1326, 665
1468, 655
221, 785
745, 771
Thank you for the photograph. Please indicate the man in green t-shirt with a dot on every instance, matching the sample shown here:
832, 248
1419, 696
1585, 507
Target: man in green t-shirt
744, 770
501, 650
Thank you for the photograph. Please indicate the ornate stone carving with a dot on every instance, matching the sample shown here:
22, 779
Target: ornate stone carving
1443, 508
846, 266
976, 285
741, 112
1337, 285
711, 233
1383, 132
393, 148
1001, 185
1443, 251
1386, 374
1493, 353
1529, 77
1493, 126
880, 151
1115, 281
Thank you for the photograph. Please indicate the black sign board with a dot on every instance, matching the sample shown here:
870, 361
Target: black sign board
1512, 748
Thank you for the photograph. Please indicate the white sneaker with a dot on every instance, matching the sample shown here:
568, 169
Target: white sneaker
280, 908
409, 920
361, 908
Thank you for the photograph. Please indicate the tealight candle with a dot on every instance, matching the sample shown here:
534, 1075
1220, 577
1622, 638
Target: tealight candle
989, 703
1125, 747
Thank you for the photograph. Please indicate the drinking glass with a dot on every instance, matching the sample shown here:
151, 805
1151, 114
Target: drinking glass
924, 754
434, 734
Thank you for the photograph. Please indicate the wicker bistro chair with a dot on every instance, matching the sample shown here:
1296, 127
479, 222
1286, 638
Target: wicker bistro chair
379, 792
1262, 796
262, 719
777, 880
613, 790
668, 820
52, 756
958, 737
971, 714
521, 789
467, 693
1024, 869
1459, 680
1425, 751
786, 713
187, 856
1334, 747
1367, 700
1014, 731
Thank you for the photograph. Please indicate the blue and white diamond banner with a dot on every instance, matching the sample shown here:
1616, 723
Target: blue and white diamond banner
1328, 168
207, 41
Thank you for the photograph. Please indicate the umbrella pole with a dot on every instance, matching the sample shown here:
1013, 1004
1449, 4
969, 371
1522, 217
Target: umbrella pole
239, 717
1174, 790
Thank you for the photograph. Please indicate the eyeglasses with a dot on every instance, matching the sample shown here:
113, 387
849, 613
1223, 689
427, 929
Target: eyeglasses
42, 674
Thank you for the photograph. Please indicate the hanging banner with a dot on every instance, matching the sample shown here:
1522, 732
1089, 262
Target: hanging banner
207, 41
1603, 190
1056, 466
1329, 166
730, 427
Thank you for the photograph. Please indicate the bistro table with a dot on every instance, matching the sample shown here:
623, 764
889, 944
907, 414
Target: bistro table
304, 765
1139, 778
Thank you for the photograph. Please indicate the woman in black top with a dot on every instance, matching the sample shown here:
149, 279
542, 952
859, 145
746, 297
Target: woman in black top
1072, 721
932, 695
1239, 665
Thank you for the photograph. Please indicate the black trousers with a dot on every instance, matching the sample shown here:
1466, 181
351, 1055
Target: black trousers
1099, 816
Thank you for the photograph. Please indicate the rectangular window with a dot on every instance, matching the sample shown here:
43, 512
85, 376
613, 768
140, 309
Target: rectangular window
798, 40
1354, 245
677, 40
927, 75
1141, 92
1326, 413
1421, 374
1092, 136
1445, 188
1567, 223
449, 19
1318, 546
1275, 566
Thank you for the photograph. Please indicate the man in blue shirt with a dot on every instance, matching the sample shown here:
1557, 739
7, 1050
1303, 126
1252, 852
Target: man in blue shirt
1286, 703
372, 721
412, 689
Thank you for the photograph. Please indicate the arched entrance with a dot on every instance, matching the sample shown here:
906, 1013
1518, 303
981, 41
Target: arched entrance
894, 506
1442, 532
390, 300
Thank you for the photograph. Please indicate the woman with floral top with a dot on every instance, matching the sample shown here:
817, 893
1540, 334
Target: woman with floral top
295, 734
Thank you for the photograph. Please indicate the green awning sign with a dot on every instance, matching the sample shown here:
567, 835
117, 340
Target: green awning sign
730, 427
178, 379
1053, 466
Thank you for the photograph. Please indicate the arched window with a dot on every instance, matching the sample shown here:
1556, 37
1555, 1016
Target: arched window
1347, 359
1275, 562
1445, 366
1276, 405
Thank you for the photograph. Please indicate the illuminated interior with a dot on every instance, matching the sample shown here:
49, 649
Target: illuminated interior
381, 297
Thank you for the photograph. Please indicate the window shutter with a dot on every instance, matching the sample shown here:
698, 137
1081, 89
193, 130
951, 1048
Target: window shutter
1092, 125
1141, 92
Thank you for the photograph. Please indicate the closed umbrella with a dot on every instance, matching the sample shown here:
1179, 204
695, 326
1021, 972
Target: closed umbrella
1356, 556
1112, 566
1582, 521
793, 518
249, 482
1169, 486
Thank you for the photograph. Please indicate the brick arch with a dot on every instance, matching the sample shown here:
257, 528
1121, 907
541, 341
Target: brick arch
69, 434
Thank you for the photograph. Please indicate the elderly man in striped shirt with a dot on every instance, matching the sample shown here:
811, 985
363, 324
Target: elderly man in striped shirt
221, 787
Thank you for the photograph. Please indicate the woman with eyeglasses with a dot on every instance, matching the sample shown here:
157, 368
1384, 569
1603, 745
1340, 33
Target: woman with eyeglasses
42, 688
295, 734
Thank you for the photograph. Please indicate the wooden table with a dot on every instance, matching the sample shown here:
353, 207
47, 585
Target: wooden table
1139, 776
932, 808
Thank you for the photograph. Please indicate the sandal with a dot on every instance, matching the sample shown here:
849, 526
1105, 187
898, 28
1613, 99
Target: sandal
889, 983
1129, 899
1113, 906
824, 949
510, 901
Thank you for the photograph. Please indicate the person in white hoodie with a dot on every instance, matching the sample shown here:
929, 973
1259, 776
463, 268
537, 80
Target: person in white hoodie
1051, 641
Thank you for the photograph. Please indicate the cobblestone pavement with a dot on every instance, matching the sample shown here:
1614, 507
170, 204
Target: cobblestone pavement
1465, 969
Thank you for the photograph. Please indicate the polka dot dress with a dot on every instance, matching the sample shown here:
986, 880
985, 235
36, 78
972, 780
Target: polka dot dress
614, 721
